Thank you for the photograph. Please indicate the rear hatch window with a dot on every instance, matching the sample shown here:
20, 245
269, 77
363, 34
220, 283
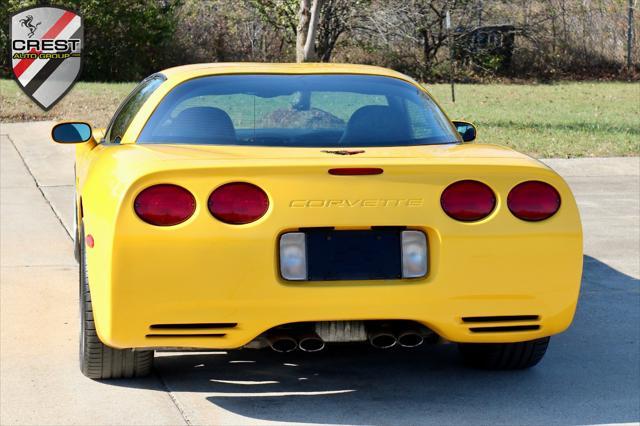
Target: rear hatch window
297, 111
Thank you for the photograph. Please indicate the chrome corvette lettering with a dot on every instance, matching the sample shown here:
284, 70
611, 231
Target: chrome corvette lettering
367, 202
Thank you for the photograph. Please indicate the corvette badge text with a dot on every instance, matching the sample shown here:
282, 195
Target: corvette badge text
368, 202
46, 52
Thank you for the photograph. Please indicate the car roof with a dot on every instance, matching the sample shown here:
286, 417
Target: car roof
186, 72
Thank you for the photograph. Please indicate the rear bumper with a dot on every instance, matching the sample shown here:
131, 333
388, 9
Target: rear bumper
445, 322
238, 282
206, 271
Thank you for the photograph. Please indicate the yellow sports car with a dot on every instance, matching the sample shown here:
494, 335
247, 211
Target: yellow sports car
298, 205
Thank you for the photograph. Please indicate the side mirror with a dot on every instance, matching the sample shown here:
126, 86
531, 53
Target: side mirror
71, 132
466, 130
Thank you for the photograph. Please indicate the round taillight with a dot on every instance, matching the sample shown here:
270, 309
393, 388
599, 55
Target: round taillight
468, 200
164, 205
533, 201
238, 203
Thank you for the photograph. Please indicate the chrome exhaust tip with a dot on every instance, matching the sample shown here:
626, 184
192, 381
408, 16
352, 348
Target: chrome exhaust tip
282, 343
383, 340
310, 343
410, 339
381, 337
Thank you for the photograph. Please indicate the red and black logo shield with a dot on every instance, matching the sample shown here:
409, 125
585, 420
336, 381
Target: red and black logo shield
46, 52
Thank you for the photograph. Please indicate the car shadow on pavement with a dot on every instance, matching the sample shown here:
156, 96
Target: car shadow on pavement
590, 374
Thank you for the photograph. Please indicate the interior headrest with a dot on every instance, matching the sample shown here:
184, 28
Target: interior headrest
375, 124
204, 123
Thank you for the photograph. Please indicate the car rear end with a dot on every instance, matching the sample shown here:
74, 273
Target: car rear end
337, 248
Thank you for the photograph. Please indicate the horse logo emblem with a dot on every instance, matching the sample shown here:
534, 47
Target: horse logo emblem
28, 22
46, 52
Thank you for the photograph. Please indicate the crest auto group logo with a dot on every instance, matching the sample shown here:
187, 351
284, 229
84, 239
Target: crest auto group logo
46, 52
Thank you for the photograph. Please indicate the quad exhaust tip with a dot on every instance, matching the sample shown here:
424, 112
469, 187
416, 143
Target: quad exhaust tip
282, 343
383, 340
380, 335
311, 343
410, 339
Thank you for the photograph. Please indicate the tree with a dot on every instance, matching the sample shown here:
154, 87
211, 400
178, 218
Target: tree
307, 30
419, 21
332, 18
338, 17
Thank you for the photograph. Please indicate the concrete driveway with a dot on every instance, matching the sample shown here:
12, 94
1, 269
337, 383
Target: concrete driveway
591, 374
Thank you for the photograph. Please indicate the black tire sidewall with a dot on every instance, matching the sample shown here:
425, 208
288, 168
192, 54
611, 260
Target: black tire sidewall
82, 297
81, 308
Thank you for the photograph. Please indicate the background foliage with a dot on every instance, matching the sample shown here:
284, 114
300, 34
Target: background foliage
554, 39
124, 39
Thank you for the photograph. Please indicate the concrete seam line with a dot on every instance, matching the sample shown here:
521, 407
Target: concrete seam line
175, 401
66, 231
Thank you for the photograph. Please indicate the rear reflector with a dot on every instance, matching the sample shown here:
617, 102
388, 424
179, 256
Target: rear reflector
164, 205
414, 254
533, 201
238, 203
293, 256
356, 171
468, 200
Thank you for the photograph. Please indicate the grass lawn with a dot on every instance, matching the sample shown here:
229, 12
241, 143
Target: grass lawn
558, 120
91, 102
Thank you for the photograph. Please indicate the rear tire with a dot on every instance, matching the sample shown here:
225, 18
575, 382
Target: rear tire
97, 360
504, 356
76, 238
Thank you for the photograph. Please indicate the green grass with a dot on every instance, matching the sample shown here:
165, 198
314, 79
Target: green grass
558, 120
91, 102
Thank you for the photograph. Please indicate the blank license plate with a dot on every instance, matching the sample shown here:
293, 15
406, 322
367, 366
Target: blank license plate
353, 255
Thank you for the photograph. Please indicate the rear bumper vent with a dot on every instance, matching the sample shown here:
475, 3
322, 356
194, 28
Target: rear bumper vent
188, 335
193, 326
190, 330
503, 329
502, 324
506, 318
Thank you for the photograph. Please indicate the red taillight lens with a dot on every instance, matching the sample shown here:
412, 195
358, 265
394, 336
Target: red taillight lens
533, 201
238, 203
164, 205
468, 200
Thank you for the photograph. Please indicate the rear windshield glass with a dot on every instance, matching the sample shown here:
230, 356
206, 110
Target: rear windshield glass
297, 111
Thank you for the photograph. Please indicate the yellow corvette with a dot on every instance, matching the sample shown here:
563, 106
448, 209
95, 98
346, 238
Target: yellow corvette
296, 205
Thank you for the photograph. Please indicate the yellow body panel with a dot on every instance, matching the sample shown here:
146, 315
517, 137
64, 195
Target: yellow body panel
205, 271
